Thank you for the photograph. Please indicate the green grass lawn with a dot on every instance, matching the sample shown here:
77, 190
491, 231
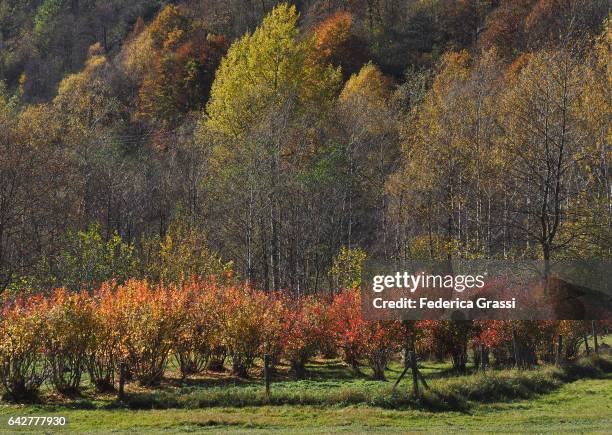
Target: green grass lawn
580, 406
332, 399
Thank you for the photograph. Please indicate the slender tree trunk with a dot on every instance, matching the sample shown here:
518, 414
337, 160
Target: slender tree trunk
595, 343
559, 357
275, 222
515, 346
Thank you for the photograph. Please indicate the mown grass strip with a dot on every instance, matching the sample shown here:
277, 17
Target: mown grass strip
450, 394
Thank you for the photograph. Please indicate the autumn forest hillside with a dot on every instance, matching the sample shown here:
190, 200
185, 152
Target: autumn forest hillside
289, 144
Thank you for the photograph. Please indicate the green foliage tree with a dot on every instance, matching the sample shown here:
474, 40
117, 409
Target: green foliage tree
86, 260
182, 254
45, 13
347, 269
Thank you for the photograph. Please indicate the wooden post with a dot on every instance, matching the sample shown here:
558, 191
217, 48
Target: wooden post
406, 367
595, 343
515, 346
483, 363
415, 375
586, 344
122, 370
400, 378
559, 350
267, 373
422, 378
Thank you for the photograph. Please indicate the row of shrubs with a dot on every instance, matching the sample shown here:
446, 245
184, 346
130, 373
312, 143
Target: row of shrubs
139, 326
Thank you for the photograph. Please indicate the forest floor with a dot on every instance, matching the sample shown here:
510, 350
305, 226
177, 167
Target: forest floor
331, 399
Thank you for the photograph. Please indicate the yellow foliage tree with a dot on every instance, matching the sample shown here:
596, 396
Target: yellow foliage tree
266, 68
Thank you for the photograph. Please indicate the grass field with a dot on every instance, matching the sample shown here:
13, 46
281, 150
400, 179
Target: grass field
580, 406
545, 399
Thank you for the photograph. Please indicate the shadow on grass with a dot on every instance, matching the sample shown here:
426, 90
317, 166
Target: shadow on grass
446, 394
323, 389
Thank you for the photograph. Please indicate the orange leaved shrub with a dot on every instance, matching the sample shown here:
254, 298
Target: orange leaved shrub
356, 338
104, 352
22, 370
150, 316
243, 325
198, 328
69, 324
307, 327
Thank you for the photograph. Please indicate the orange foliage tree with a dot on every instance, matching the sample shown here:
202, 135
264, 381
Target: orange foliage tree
339, 44
183, 67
